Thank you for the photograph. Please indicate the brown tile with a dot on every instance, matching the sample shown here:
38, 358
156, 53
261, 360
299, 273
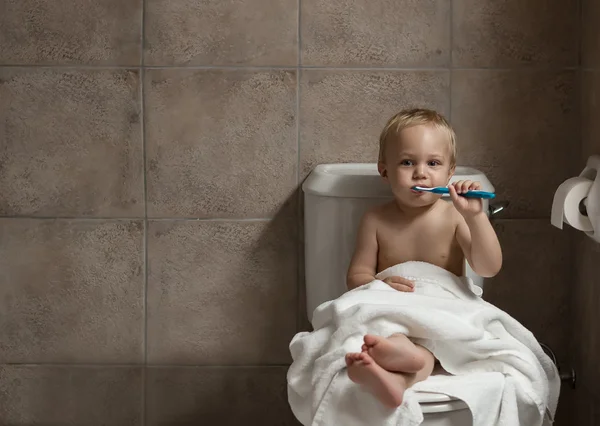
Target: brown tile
212, 32
590, 111
536, 280
88, 32
368, 33
342, 113
511, 33
222, 292
70, 395
586, 315
518, 127
566, 406
575, 407
71, 143
71, 291
590, 34
220, 143
582, 412
595, 411
582, 307
217, 396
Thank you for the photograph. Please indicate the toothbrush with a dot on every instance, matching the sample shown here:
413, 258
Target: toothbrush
445, 190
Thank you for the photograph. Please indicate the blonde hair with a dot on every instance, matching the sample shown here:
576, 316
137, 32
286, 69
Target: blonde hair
413, 117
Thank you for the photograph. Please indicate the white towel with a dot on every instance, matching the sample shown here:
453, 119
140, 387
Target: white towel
498, 367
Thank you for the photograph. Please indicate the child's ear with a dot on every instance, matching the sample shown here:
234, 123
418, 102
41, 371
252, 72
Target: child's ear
382, 170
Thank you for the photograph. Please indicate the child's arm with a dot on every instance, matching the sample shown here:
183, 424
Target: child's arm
363, 265
475, 233
480, 245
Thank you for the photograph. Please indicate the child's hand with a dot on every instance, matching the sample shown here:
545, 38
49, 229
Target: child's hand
400, 284
465, 206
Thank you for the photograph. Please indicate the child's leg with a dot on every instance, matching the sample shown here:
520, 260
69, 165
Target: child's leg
387, 386
396, 353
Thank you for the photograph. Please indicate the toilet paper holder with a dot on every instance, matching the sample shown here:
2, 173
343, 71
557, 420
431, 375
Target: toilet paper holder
583, 206
592, 168
577, 201
497, 207
570, 376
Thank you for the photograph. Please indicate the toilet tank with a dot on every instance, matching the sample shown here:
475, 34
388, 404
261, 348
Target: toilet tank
335, 198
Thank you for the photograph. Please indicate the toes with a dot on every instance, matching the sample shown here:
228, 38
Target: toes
366, 358
364, 348
349, 360
371, 340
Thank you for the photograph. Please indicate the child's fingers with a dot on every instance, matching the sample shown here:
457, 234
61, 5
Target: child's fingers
402, 287
402, 280
454, 194
400, 283
465, 186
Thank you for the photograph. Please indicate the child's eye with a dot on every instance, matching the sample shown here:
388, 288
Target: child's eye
406, 163
434, 163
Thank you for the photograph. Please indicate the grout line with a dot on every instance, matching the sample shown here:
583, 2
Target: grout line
441, 69
450, 69
145, 250
143, 112
143, 366
451, 33
158, 219
298, 197
218, 366
299, 33
291, 68
103, 218
187, 219
580, 21
222, 219
72, 66
579, 92
110, 67
67, 364
223, 67
571, 358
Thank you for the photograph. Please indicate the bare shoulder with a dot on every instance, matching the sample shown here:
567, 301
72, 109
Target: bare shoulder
376, 214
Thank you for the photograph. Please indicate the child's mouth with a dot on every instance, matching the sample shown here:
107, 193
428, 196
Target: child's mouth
414, 191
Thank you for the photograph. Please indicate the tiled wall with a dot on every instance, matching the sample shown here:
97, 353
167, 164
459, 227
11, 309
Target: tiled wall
150, 154
585, 343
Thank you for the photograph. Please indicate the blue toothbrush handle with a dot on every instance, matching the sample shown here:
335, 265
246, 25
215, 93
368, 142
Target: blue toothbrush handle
469, 194
479, 194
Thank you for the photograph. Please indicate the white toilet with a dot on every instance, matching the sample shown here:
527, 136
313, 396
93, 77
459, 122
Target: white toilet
335, 198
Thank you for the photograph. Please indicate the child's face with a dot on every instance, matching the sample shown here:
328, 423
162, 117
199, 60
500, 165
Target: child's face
419, 156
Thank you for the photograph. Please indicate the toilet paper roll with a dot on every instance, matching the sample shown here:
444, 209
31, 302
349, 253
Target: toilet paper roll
566, 204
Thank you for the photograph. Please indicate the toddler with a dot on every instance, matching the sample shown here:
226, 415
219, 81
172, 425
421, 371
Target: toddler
416, 148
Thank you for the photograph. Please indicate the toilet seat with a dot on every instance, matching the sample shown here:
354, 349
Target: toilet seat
439, 403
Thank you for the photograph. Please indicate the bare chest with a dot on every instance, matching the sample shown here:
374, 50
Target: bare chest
431, 241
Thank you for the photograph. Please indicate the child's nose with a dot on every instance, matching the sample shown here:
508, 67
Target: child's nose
419, 171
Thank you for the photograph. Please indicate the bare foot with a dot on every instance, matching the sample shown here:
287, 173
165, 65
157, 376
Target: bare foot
388, 387
395, 353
